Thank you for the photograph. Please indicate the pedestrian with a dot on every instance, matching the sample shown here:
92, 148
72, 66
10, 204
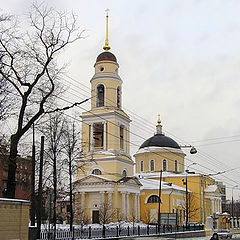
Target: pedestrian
214, 236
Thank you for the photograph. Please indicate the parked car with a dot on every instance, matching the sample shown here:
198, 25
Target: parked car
224, 234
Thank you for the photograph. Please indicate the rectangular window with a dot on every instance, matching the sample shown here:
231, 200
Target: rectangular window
164, 168
121, 137
141, 166
151, 165
68, 208
176, 166
98, 135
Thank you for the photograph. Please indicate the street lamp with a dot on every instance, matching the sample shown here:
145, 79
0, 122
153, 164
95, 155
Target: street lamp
193, 150
232, 201
186, 184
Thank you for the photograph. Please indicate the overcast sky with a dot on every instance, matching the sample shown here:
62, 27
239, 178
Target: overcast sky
177, 58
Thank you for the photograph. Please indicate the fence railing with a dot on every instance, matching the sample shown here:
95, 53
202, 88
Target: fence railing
114, 231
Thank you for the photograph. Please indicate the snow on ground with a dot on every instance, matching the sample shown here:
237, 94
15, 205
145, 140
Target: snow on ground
206, 238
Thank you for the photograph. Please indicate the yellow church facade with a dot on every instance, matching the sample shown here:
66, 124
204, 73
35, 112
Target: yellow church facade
110, 186
161, 153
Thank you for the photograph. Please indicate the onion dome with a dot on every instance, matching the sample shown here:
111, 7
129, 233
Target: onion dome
106, 56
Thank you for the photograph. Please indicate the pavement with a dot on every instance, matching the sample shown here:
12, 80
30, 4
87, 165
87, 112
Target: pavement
235, 237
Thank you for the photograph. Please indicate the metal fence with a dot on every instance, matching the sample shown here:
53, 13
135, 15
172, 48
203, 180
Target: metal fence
115, 231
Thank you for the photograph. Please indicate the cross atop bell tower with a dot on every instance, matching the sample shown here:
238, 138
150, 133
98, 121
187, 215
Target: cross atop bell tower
106, 47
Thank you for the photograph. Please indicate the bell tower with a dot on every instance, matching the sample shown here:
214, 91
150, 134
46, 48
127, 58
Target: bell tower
105, 128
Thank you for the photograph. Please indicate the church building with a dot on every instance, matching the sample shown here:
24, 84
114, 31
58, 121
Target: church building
106, 189
109, 188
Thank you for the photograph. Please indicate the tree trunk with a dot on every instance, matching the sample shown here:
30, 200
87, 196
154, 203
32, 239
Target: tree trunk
11, 183
71, 200
54, 192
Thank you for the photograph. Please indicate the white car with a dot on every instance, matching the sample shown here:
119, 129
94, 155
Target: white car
224, 234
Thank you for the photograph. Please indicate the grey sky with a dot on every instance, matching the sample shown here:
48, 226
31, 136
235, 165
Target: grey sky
177, 58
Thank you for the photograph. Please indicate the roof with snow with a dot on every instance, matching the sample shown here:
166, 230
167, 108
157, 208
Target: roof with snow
150, 184
211, 188
166, 174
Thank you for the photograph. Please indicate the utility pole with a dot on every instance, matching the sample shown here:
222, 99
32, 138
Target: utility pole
186, 182
233, 202
39, 208
33, 204
159, 201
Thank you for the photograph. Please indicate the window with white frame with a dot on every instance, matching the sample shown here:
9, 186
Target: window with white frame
121, 130
176, 166
124, 173
96, 171
141, 166
98, 135
164, 165
152, 167
100, 95
118, 97
153, 199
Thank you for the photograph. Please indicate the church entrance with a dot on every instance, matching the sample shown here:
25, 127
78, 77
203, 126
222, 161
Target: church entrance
95, 216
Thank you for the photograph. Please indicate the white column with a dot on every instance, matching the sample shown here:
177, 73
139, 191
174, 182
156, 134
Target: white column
82, 205
118, 139
124, 138
135, 207
123, 205
102, 198
104, 135
127, 206
212, 205
138, 206
91, 138
110, 205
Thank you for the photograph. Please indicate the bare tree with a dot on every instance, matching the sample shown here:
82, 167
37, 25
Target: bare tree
5, 101
29, 66
71, 149
193, 208
148, 218
53, 131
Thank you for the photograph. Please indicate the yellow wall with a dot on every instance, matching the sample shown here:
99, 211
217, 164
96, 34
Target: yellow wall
110, 84
14, 219
197, 185
168, 205
111, 169
158, 158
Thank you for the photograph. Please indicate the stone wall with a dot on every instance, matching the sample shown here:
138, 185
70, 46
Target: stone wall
14, 219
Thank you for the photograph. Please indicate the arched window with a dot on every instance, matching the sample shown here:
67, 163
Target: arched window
141, 166
97, 172
119, 97
100, 95
176, 166
124, 173
164, 166
153, 199
152, 165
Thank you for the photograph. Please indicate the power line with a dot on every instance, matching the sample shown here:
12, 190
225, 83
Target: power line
132, 133
141, 137
203, 153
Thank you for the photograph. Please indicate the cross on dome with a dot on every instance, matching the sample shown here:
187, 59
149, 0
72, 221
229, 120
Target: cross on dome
106, 47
